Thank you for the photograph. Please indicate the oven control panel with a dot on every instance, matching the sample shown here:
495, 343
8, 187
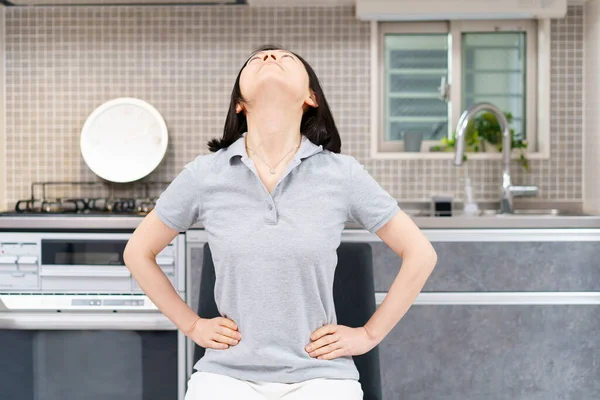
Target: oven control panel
108, 302
75, 302
19, 265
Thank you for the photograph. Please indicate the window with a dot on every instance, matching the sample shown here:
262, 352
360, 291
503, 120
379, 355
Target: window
415, 65
428, 73
494, 72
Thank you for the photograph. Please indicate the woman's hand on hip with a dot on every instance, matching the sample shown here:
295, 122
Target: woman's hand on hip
214, 333
332, 341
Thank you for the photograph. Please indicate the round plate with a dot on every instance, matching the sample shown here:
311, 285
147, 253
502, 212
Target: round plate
124, 140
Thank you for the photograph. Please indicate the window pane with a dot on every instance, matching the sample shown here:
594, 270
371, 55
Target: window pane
430, 131
414, 66
494, 65
402, 107
418, 83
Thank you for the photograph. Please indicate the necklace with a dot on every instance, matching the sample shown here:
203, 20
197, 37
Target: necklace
272, 169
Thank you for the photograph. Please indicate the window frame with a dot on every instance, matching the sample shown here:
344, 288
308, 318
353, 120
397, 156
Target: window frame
436, 27
537, 82
457, 28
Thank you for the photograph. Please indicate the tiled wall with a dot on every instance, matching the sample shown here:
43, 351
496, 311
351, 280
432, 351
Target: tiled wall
61, 63
592, 106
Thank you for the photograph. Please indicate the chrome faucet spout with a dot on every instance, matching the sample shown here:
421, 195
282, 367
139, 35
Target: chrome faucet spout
508, 190
461, 132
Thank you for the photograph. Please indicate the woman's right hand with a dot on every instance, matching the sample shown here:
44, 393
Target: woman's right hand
215, 333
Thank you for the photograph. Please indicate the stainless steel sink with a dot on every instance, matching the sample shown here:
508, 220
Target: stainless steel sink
491, 210
527, 215
521, 213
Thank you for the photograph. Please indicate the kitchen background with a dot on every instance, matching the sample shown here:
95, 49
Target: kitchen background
61, 63
509, 312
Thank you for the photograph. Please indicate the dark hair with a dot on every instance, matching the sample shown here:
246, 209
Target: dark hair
317, 122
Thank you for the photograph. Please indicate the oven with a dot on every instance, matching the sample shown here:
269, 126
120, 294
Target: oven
74, 324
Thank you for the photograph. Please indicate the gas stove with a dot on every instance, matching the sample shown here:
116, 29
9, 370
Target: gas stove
132, 199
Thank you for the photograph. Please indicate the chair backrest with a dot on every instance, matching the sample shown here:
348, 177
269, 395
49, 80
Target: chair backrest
354, 299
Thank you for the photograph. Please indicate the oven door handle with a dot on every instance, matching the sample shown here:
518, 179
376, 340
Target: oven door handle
85, 271
81, 320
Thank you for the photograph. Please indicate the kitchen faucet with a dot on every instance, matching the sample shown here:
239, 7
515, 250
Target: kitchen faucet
508, 189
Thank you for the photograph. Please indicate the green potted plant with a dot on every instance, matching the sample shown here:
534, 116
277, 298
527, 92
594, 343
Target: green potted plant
484, 134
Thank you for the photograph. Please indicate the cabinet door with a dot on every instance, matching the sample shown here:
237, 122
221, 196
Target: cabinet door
89, 364
519, 266
474, 352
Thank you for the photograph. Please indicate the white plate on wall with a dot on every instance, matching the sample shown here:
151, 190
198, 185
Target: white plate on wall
124, 140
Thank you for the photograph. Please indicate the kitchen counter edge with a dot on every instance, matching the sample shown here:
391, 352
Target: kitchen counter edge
60, 222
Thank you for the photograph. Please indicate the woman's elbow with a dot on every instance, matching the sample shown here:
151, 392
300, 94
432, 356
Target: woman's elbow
428, 255
421, 254
127, 253
131, 253
433, 256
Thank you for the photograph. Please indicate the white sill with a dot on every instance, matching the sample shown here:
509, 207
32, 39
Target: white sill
450, 156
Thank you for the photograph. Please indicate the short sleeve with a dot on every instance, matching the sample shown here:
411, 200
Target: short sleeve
369, 204
178, 206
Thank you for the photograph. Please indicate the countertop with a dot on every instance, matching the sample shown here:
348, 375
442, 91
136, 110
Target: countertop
129, 223
570, 218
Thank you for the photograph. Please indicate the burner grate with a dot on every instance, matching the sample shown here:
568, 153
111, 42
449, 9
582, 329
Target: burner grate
136, 198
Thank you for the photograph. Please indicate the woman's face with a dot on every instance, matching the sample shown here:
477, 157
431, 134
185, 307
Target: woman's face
276, 70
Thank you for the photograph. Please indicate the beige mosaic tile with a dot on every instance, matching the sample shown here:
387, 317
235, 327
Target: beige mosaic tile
62, 62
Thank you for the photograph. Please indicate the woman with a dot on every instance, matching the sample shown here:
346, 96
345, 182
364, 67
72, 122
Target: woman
273, 198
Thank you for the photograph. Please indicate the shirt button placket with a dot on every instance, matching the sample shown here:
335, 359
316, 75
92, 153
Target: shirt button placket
271, 216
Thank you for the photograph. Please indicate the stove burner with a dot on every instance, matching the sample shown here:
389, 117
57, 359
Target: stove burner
95, 205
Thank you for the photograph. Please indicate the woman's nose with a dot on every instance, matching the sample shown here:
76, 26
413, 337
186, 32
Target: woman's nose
270, 55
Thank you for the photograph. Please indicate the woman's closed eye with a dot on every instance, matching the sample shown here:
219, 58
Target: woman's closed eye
253, 58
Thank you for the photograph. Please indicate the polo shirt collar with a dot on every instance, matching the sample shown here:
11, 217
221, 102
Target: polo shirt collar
307, 148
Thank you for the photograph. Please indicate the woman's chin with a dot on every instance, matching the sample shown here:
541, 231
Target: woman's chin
275, 83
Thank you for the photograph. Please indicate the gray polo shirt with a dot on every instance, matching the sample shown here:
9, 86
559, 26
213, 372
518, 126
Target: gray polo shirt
275, 253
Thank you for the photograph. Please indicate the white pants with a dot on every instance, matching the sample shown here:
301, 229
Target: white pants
210, 386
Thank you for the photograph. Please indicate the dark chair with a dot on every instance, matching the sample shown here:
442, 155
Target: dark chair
353, 295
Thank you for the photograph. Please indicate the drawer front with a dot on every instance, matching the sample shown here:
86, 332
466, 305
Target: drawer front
501, 266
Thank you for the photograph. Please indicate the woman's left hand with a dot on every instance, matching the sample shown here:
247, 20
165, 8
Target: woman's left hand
332, 341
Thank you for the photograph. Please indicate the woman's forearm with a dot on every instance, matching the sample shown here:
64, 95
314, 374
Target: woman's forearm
158, 288
413, 274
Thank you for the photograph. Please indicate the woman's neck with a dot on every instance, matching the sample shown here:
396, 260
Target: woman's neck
273, 128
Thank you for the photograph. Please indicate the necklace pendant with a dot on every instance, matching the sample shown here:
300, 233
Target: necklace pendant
272, 171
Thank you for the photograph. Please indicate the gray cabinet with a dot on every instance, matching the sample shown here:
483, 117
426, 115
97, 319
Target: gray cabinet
444, 348
496, 266
493, 352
